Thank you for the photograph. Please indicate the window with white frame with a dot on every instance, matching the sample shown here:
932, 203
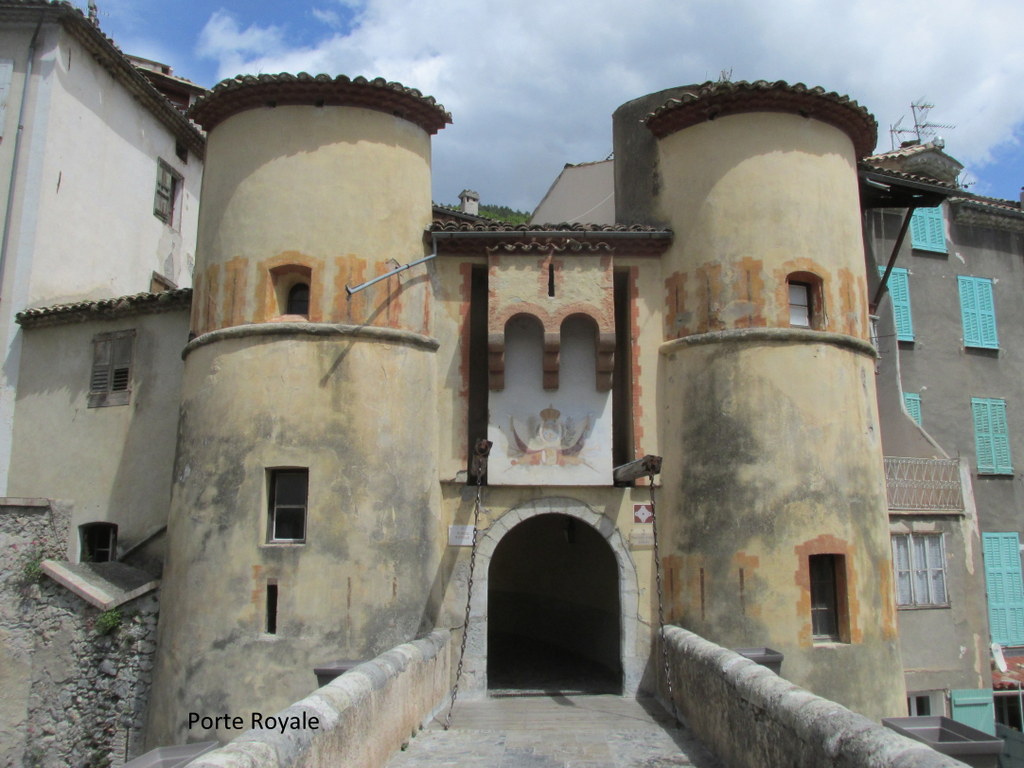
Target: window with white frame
289, 491
920, 563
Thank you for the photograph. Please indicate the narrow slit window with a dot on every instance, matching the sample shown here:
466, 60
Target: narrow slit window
271, 608
551, 280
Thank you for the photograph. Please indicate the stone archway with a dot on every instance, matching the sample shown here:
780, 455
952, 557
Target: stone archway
475, 662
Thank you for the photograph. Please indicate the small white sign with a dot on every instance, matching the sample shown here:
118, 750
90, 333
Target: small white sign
641, 537
460, 535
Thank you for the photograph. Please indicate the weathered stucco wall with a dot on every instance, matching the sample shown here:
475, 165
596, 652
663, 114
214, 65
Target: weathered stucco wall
110, 464
342, 192
752, 718
346, 404
363, 717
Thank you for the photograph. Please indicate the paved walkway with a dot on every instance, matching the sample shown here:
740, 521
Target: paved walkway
555, 731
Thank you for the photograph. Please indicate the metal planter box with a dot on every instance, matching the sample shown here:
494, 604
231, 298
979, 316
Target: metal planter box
959, 741
766, 657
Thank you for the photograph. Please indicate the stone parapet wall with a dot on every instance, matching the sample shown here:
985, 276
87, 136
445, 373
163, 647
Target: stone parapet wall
752, 718
361, 718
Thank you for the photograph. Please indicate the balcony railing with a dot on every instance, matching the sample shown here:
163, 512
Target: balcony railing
924, 485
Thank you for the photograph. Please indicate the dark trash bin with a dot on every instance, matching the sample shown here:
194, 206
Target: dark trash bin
332, 669
766, 657
945, 735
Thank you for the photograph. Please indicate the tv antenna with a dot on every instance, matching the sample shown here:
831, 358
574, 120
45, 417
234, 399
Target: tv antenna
922, 130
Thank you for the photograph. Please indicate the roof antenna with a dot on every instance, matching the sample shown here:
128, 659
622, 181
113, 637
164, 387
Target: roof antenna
922, 129
94, 14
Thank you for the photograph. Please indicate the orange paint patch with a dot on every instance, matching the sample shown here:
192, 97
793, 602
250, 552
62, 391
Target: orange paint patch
749, 290
709, 298
745, 566
351, 271
637, 390
675, 305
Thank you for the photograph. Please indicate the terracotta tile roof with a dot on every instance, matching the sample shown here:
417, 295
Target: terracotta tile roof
106, 52
717, 99
562, 229
447, 213
106, 309
867, 165
244, 92
908, 151
464, 237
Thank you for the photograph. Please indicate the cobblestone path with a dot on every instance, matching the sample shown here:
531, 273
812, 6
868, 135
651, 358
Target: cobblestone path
555, 731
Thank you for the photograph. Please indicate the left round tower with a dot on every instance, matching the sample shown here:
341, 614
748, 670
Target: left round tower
304, 522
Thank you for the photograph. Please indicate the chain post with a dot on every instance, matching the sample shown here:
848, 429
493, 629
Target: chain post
661, 603
479, 465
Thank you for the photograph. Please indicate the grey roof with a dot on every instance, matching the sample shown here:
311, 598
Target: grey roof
106, 309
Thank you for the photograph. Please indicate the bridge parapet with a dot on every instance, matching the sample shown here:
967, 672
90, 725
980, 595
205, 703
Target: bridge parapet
362, 717
751, 718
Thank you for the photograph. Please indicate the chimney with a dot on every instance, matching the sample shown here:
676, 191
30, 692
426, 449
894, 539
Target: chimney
470, 202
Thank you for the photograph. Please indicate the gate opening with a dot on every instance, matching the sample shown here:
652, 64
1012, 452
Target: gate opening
553, 619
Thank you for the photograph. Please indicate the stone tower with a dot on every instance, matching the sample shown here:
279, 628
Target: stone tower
775, 523
304, 523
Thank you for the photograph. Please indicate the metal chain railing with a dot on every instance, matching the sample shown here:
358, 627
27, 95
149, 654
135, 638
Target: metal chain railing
661, 604
480, 453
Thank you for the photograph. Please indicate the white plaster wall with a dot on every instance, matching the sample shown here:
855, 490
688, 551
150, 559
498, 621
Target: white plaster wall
584, 413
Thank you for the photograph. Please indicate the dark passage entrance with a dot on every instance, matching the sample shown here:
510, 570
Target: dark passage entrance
553, 610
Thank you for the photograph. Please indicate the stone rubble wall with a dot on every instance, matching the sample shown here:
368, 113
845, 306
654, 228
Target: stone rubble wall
751, 718
72, 696
365, 715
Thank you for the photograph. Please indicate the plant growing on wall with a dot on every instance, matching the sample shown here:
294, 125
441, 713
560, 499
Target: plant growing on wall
108, 621
37, 551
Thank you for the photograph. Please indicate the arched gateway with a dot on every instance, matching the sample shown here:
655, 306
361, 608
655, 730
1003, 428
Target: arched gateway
547, 516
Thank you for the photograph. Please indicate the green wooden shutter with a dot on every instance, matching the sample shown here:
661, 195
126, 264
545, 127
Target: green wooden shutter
912, 401
978, 312
926, 230
1004, 586
899, 293
974, 708
991, 436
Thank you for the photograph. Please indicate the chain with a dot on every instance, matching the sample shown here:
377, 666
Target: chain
481, 450
661, 604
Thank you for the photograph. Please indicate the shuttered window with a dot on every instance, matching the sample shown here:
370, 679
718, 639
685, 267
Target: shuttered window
168, 187
899, 294
991, 436
920, 563
978, 312
912, 401
110, 378
1004, 586
926, 230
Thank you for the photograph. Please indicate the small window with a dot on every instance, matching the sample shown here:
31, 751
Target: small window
111, 375
271, 622
920, 563
800, 304
98, 542
805, 293
978, 312
926, 230
168, 189
828, 604
288, 494
298, 300
991, 436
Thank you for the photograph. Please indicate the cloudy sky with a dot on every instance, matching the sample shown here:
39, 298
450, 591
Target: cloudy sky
531, 84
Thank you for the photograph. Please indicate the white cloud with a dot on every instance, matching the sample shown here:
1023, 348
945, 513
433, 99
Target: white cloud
532, 85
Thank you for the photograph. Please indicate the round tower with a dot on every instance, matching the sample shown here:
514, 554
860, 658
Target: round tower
304, 521
776, 529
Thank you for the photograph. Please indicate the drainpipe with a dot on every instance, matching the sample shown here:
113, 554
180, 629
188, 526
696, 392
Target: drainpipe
395, 271
5, 245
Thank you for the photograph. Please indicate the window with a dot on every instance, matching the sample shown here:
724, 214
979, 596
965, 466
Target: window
920, 563
991, 436
168, 188
1004, 586
98, 542
288, 493
298, 300
912, 402
924, 703
899, 293
271, 623
111, 376
926, 230
800, 304
978, 312
828, 592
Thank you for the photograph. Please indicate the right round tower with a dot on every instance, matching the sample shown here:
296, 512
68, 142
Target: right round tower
775, 523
